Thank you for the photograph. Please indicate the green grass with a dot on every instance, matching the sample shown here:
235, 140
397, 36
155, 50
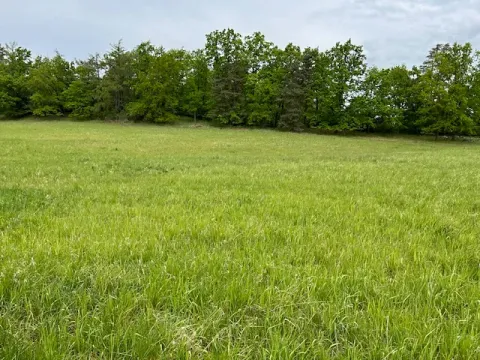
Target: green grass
144, 242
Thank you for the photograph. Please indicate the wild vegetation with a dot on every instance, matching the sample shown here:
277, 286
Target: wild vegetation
121, 241
248, 81
146, 242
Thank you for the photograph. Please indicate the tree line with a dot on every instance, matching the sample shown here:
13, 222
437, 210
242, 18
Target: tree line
248, 81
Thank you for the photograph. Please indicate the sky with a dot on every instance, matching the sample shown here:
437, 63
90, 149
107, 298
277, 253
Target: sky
392, 31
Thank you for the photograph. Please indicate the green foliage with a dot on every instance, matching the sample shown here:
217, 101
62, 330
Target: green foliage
196, 92
116, 88
157, 85
445, 85
82, 94
342, 71
262, 87
262, 97
473, 96
293, 92
248, 81
226, 53
381, 104
48, 80
15, 64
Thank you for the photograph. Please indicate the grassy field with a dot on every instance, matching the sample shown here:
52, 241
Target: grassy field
144, 242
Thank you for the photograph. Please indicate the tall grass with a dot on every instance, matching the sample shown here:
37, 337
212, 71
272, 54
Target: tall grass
146, 242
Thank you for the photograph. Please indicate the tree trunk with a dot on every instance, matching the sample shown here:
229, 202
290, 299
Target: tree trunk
195, 117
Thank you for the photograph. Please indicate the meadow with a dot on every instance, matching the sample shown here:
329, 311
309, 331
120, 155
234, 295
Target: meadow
123, 241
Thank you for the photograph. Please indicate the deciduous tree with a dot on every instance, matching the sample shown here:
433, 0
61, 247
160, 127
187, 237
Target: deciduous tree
48, 81
15, 65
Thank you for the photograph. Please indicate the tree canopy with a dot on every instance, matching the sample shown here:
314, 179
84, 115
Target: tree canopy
249, 81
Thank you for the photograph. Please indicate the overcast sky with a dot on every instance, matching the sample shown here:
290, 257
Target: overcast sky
392, 31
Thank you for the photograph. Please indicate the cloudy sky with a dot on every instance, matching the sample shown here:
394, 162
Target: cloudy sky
392, 31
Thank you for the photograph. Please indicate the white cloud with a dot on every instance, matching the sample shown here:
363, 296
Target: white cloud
393, 32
